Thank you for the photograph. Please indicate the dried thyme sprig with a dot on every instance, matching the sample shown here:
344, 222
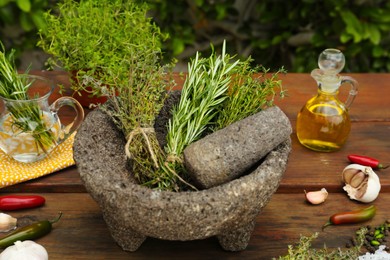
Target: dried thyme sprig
27, 117
304, 251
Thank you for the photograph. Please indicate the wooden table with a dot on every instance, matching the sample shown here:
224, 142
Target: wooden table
82, 233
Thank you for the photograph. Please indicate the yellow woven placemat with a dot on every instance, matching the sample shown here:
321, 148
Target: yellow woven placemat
13, 172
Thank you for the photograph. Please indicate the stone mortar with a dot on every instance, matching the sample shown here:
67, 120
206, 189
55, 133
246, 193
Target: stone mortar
133, 212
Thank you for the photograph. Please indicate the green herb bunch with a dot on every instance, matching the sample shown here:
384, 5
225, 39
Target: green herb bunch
134, 68
92, 39
27, 117
203, 94
134, 105
251, 91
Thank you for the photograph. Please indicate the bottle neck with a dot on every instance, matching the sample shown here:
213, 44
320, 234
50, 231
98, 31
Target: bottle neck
326, 81
327, 93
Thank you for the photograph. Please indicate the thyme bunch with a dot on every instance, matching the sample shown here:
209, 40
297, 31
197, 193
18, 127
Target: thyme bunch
26, 117
134, 105
141, 85
251, 91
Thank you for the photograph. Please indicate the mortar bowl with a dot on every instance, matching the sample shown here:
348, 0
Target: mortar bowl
133, 212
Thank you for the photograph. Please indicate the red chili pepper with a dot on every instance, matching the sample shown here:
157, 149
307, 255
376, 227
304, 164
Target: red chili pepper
350, 217
15, 202
366, 161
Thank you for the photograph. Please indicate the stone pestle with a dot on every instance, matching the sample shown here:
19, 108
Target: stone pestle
230, 152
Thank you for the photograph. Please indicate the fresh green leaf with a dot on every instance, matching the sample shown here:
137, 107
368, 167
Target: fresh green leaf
38, 19
4, 2
378, 51
374, 34
345, 37
177, 45
24, 5
353, 25
25, 22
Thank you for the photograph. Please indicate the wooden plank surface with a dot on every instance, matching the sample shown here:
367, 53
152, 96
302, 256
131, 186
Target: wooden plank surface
82, 233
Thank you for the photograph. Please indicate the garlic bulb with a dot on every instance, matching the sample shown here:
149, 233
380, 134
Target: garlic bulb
361, 183
7, 222
26, 250
316, 197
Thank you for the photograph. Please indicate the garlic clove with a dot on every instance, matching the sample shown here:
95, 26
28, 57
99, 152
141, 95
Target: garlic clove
349, 173
358, 179
361, 183
7, 222
316, 197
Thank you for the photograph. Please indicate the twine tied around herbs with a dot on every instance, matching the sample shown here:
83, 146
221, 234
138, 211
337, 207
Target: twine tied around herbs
144, 131
171, 158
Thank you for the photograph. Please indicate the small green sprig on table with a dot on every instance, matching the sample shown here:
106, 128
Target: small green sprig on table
303, 250
26, 116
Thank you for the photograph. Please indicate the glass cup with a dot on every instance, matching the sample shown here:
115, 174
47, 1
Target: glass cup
31, 128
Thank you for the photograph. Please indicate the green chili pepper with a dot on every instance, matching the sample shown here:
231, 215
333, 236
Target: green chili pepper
30, 232
356, 216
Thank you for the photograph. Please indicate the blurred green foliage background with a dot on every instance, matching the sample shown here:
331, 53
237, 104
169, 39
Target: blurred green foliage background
274, 32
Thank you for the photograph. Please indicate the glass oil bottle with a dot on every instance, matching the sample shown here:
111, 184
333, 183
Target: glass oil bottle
323, 124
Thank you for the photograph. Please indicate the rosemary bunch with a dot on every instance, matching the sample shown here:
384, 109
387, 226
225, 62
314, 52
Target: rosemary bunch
203, 93
26, 117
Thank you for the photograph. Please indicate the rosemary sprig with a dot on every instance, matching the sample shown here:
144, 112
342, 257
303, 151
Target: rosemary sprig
11, 84
27, 117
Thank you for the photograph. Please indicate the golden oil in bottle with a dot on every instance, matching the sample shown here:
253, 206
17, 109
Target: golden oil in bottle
323, 124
